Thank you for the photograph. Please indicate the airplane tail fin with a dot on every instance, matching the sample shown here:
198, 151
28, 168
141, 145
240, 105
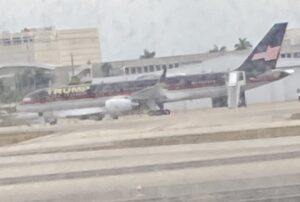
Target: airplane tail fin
265, 55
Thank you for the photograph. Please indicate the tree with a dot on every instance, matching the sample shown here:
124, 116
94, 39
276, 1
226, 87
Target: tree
41, 78
243, 44
11, 96
26, 80
147, 54
217, 49
106, 69
74, 80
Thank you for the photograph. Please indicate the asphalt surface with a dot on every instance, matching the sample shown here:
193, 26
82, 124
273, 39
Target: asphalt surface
249, 154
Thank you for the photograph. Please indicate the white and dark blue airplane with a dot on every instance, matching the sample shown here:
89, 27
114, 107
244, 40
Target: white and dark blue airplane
121, 94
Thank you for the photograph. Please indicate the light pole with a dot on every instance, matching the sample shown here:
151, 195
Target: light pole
72, 64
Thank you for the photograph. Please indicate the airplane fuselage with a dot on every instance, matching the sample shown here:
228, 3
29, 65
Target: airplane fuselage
115, 93
175, 88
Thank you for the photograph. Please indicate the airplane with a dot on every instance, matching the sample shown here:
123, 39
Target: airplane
122, 94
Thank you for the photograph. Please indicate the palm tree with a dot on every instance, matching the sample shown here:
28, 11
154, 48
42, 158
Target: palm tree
243, 44
26, 80
75, 80
147, 54
42, 78
217, 49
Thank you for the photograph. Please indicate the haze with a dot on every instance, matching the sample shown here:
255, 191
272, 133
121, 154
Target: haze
169, 27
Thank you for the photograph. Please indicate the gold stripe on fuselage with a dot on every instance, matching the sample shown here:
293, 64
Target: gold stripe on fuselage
68, 90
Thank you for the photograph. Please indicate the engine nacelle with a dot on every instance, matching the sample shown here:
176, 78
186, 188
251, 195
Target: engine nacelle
118, 106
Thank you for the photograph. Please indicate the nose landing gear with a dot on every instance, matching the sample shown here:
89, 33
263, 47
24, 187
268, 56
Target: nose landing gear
159, 112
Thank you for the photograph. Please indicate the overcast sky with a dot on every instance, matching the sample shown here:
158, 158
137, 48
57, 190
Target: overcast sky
169, 27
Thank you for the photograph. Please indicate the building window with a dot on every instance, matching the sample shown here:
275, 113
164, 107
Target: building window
297, 55
27, 39
176, 65
283, 55
126, 70
151, 68
146, 69
16, 40
158, 68
288, 55
139, 70
6, 41
170, 66
133, 70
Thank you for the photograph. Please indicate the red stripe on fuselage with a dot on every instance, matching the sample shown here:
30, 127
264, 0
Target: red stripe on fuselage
96, 95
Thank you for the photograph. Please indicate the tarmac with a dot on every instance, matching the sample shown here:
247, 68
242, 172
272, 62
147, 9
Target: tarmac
246, 154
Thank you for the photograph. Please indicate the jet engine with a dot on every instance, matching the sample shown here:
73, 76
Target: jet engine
117, 106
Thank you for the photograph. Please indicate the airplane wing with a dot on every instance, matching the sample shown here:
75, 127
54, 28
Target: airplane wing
155, 92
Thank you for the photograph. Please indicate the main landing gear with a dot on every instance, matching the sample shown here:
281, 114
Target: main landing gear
50, 120
159, 112
153, 111
97, 117
114, 116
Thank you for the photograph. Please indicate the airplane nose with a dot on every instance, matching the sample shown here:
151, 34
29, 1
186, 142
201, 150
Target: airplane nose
19, 107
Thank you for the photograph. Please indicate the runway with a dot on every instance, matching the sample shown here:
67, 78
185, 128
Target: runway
248, 154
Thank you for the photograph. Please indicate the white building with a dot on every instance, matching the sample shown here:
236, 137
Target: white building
51, 46
290, 49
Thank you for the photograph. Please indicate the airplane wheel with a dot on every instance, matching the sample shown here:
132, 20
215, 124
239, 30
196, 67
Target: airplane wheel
97, 117
53, 122
114, 117
151, 113
84, 117
167, 112
159, 112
